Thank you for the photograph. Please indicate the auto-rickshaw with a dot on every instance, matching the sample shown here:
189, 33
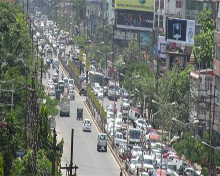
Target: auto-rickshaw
79, 114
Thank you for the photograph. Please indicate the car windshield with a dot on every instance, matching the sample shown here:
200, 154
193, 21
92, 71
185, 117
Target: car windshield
119, 136
87, 122
133, 161
101, 91
102, 137
119, 122
126, 101
70, 81
136, 149
135, 134
148, 161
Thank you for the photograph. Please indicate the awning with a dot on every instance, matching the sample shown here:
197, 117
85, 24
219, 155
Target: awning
154, 136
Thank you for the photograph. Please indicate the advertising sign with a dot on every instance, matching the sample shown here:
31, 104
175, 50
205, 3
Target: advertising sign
162, 44
122, 35
134, 20
145, 37
137, 5
180, 30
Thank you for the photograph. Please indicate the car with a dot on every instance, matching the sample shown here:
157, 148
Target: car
118, 124
100, 94
190, 171
54, 45
110, 116
110, 107
102, 142
119, 115
62, 47
87, 125
71, 87
142, 124
35, 38
132, 165
72, 94
125, 104
50, 82
148, 162
136, 151
118, 138
51, 90
96, 89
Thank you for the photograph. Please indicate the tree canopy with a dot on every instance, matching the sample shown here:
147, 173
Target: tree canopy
204, 47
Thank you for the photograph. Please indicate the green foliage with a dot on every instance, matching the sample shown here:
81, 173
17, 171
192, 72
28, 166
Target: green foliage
15, 43
1, 164
131, 54
80, 8
80, 40
204, 48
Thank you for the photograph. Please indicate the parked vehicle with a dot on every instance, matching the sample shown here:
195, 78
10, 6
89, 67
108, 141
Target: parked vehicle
134, 113
102, 142
87, 125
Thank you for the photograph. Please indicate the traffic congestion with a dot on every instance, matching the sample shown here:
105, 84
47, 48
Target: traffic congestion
139, 146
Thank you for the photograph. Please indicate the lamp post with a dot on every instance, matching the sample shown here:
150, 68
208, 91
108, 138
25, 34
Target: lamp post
185, 125
145, 96
215, 149
105, 54
129, 93
161, 147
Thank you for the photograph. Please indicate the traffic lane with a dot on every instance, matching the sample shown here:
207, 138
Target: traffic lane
86, 157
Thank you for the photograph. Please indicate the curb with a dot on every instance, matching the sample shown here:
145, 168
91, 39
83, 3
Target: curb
109, 146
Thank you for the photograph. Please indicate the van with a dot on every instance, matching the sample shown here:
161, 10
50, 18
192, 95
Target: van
134, 113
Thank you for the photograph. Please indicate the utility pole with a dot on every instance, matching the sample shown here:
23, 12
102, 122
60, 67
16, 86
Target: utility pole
213, 122
26, 113
113, 34
54, 152
210, 116
71, 167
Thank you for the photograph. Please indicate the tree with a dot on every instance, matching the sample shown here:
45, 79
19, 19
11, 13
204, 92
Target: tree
204, 48
131, 54
1, 164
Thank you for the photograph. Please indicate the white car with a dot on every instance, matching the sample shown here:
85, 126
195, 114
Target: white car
96, 90
119, 115
142, 124
118, 124
136, 151
118, 138
51, 90
133, 165
54, 45
125, 104
110, 117
87, 125
100, 94
50, 82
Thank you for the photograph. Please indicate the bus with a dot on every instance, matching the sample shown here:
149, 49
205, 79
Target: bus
134, 137
96, 77
65, 104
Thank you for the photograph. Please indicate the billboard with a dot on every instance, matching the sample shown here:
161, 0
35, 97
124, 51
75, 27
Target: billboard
162, 44
137, 5
142, 21
144, 38
122, 35
180, 30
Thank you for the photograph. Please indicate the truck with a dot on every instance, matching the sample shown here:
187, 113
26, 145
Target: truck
134, 137
65, 104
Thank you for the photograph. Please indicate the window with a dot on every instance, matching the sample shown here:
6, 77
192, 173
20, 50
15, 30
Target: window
179, 4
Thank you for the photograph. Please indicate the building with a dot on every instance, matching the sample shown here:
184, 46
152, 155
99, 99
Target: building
216, 71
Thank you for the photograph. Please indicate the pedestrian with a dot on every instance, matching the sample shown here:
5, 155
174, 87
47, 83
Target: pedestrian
121, 173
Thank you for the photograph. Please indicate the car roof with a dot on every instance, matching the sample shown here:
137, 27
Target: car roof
87, 120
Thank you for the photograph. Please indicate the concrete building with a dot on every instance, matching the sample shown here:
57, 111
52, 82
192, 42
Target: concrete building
216, 71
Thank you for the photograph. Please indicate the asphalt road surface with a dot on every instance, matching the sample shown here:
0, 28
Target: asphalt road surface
85, 154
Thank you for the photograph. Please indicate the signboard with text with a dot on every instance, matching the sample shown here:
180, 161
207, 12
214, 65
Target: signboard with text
133, 20
137, 5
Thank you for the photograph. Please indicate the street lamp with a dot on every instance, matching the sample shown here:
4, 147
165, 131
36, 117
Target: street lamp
185, 125
105, 54
129, 93
145, 96
161, 147
215, 149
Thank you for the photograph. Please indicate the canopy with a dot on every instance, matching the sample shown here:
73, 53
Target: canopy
154, 136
